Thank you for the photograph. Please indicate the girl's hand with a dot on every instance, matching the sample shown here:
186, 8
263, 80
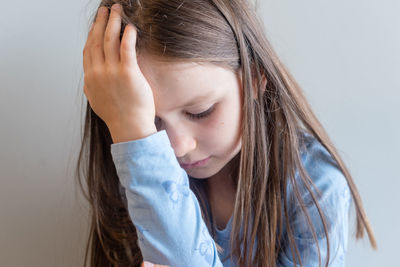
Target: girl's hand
114, 85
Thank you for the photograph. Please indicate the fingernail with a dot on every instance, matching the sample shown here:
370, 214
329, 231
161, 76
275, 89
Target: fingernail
148, 264
102, 10
116, 7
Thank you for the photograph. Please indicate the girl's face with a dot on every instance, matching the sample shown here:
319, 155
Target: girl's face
182, 90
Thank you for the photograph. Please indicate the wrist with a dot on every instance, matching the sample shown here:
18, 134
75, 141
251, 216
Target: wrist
125, 132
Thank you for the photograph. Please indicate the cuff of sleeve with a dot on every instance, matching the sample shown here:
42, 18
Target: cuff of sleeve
155, 141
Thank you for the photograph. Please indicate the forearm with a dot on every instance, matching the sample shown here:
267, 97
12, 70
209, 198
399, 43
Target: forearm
162, 207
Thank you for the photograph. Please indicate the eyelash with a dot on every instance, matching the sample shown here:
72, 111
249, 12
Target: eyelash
197, 116
202, 114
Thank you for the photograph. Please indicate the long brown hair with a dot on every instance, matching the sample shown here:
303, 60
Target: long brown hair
230, 34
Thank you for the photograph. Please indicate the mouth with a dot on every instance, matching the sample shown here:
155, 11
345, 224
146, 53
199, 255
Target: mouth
195, 164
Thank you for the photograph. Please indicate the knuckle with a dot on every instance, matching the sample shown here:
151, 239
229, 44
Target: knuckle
107, 38
97, 72
114, 18
93, 74
97, 45
126, 47
110, 71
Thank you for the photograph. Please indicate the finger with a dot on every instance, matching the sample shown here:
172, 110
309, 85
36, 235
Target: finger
97, 37
86, 54
128, 46
111, 38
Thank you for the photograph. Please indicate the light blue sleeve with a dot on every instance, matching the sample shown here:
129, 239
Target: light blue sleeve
162, 207
335, 200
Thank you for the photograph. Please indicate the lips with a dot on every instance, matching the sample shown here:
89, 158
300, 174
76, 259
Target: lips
195, 164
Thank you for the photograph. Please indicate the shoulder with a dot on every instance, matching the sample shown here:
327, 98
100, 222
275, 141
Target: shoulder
331, 190
322, 169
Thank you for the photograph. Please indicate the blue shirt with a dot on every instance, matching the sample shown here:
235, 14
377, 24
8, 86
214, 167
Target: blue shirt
167, 215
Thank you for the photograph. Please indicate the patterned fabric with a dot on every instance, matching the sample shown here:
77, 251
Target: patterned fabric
167, 215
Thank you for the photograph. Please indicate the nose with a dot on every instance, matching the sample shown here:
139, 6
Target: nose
181, 141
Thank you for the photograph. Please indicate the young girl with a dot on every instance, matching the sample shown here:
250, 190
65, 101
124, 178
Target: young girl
202, 150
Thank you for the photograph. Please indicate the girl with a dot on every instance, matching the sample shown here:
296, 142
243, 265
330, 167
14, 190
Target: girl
202, 148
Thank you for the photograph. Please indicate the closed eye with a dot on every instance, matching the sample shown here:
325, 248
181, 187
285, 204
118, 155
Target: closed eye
202, 114
197, 116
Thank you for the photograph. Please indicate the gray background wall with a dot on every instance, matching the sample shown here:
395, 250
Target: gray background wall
345, 55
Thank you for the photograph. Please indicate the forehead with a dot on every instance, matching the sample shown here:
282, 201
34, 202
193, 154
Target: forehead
178, 83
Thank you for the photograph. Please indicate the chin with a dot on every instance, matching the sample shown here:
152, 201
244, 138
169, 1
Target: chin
201, 173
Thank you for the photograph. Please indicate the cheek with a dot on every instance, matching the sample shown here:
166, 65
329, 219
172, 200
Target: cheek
221, 129
228, 118
219, 121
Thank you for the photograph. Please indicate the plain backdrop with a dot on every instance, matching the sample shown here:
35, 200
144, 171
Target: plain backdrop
344, 54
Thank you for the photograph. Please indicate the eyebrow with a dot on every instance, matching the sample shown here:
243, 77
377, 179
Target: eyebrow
197, 99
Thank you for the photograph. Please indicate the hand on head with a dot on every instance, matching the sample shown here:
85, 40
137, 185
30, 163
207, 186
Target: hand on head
115, 87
